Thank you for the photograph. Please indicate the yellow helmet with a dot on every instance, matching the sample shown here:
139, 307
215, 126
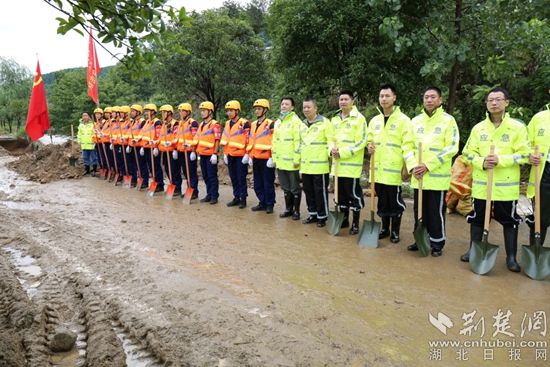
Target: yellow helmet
108, 110
98, 110
185, 107
233, 105
167, 108
150, 106
261, 103
116, 108
137, 107
207, 105
125, 109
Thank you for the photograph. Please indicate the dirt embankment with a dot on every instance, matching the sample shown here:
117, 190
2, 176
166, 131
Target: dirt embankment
47, 163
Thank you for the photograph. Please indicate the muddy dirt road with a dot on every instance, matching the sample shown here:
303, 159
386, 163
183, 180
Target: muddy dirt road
146, 282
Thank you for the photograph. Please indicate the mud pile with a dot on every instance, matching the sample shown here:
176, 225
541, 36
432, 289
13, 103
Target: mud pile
48, 163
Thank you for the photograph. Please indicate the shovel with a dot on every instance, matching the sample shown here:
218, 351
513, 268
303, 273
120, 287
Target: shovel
139, 178
369, 233
126, 179
335, 218
535, 258
116, 164
171, 186
108, 172
420, 234
72, 158
483, 255
153, 183
189, 191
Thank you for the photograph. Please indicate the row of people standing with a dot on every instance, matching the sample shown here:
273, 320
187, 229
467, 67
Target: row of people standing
313, 147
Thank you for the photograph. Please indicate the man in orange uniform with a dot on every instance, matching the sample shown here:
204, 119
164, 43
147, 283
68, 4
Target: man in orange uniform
259, 151
207, 141
167, 146
150, 135
105, 136
234, 141
187, 129
136, 143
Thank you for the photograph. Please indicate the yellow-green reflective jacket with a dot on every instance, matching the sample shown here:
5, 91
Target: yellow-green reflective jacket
315, 138
539, 134
350, 135
390, 140
511, 147
85, 134
439, 136
285, 149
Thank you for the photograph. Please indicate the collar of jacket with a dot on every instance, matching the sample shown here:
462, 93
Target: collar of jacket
317, 118
353, 113
396, 110
290, 115
505, 119
437, 112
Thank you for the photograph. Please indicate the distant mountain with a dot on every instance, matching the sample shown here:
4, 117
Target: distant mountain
49, 78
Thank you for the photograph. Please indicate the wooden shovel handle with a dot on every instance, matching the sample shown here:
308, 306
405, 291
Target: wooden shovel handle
537, 193
335, 162
419, 211
372, 182
489, 199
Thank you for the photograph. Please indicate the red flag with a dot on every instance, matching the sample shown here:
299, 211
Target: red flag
93, 71
38, 120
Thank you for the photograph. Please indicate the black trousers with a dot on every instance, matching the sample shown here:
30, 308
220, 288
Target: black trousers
544, 201
316, 191
503, 212
390, 201
350, 194
433, 216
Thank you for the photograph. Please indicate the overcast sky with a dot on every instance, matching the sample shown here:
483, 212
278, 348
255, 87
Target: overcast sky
29, 27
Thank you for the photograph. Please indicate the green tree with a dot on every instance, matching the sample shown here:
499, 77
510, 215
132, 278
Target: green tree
225, 59
15, 88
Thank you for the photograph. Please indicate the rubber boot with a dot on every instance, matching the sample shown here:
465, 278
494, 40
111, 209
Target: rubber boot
345, 222
395, 228
288, 205
385, 231
86, 170
511, 246
355, 223
476, 234
296, 212
94, 170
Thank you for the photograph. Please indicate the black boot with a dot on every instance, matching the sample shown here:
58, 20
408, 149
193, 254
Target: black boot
289, 199
355, 223
296, 213
94, 170
395, 227
511, 246
385, 231
476, 234
86, 170
345, 222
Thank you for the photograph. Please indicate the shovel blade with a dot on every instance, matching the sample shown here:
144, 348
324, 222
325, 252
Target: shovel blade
116, 179
101, 173
483, 256
127, 182
152, 188
422, 239
368, 237
535, 261
187, 195
170, 191
334, 222
139, 183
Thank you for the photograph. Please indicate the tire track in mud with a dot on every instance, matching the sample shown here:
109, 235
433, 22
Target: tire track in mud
175, 320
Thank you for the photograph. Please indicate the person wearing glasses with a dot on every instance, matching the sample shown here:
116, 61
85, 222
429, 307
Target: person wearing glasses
511, 149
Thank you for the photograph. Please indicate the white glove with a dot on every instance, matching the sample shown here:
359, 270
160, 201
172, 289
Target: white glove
175, 154
270, 163
193, 156
250, 161
111, 146
246, 159
225, 159
214, 159
142, 152
155, 152
128, 149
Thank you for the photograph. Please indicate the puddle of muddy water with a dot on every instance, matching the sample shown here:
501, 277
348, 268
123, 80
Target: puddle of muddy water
75, 357
28, 271
136, 356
